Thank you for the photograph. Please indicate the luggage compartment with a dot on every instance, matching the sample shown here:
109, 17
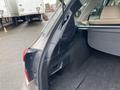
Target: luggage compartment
89, 69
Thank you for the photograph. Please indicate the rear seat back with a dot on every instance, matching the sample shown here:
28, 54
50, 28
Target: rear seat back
109, 15
110, 12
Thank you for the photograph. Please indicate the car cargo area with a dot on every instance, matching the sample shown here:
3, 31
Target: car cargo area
88, 69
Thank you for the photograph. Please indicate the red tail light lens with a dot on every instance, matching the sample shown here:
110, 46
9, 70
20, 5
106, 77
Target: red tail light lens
24, 53
27, 75
25, 70
28, 58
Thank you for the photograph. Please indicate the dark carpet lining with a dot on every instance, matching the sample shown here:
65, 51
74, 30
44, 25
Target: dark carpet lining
99, 72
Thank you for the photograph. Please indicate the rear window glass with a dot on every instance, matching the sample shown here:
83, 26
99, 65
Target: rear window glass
98, 12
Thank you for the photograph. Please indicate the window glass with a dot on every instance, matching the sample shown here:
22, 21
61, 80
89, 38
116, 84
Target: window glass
96, 12
90, 11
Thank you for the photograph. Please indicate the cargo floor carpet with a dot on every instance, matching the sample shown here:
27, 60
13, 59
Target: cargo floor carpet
99, 72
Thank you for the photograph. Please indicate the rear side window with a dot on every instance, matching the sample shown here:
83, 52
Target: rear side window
91, 11
96, 12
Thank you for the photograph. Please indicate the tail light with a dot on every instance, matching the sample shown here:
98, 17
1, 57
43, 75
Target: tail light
28, 58
25, 70
27, 75
25, 53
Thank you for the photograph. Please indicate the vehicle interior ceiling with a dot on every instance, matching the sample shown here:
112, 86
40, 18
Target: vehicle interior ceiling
89, 69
